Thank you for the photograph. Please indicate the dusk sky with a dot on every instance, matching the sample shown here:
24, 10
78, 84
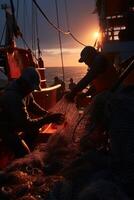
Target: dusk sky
82, 23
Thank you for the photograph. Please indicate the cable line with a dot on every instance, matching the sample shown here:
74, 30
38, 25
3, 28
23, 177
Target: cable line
33, 28
34, 55
77, 40
17, 9
60, 42
37, 34
3, 34
68, 26
58, 29
67, 18
55, 27
24, 18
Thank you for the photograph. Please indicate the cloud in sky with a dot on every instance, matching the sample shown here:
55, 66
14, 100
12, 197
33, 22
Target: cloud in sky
52, 57
82, 24
66, 51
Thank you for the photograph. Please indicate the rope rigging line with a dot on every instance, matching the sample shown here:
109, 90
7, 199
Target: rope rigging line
37, 34
24, 19
68, 26
33, 29
58, 29
55, 27
17, 9
67, 17
29, 48
38, 45
14, 21
2, 35
60, 42
77, 39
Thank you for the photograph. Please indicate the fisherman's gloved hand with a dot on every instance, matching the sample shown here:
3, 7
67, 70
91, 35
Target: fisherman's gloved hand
70, 97
57, 118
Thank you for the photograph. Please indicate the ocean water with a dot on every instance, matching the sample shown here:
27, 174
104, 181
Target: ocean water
70, 72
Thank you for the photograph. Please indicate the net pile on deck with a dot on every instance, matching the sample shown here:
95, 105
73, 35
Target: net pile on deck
58, 168
32, 177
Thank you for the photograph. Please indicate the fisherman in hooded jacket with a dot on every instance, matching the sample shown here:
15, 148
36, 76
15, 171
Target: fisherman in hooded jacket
15, 105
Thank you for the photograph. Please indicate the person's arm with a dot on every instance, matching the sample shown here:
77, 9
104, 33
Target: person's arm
34, 108
84, 81
87, 79
21, 120
98, 66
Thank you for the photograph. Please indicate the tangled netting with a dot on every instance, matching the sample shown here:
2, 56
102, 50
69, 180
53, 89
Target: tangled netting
33, 177
71, 164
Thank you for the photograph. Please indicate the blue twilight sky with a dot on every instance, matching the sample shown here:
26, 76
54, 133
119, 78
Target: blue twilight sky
82, 23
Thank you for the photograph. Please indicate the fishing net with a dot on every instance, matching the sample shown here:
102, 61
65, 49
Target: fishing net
60, 167
34, 176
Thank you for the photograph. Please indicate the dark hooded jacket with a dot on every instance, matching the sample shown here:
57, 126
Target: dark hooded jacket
14, 107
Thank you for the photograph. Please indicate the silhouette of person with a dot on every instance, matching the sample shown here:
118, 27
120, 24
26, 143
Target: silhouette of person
61, 90
100, 72
72, 84
14, 116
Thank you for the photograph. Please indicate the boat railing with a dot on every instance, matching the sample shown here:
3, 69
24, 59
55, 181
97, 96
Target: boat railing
47, 89
47, 97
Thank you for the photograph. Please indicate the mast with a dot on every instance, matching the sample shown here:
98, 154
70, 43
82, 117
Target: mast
12, 29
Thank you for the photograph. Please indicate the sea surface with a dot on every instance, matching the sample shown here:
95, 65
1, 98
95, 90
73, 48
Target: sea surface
70, 72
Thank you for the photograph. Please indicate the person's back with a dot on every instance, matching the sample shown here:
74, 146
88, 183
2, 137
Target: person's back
106, 76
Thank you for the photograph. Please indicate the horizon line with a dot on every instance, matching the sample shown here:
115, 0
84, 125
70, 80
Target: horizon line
67, 66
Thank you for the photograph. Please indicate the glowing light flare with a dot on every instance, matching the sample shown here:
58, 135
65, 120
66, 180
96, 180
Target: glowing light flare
96, 35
